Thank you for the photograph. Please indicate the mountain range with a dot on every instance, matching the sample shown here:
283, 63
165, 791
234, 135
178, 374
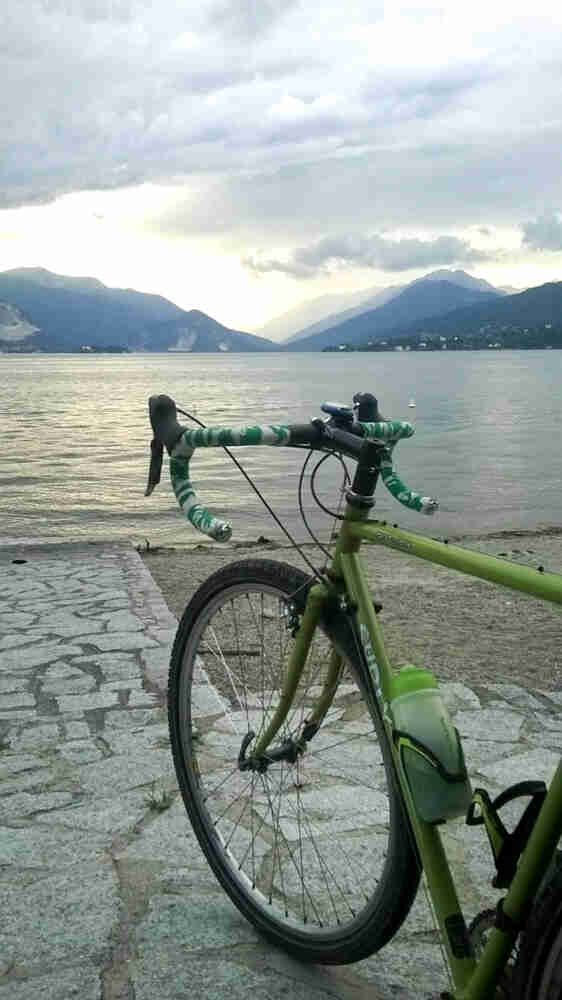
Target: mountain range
429, 296
50, 312
509, 318
41, 311
316, 315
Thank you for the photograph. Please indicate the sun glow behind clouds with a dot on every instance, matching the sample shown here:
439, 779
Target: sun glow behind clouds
104, 234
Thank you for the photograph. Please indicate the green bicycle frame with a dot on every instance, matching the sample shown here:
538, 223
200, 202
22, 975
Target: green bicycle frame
473, 980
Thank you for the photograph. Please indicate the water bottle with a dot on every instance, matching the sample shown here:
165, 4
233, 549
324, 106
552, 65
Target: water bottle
429, 746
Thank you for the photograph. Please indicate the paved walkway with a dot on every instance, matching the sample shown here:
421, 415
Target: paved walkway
104, 893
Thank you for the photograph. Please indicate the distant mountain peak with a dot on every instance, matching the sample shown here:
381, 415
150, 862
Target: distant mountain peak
48, 279
457, 277
419, 300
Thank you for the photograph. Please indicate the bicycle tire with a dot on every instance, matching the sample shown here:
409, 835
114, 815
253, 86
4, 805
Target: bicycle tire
306, 874
538, 972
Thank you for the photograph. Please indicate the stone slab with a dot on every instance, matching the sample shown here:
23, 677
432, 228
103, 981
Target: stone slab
104, 881
81, 982
65, 917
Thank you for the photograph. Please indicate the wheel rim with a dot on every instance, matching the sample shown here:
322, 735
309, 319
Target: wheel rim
303, 843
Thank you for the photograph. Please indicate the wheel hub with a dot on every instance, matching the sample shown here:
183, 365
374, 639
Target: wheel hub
289, 750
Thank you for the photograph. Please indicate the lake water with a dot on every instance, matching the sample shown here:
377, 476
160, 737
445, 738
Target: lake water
75, 440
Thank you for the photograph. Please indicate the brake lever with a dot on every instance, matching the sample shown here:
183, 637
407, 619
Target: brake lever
156, 456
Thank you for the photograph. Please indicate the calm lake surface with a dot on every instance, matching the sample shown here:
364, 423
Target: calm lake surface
76, 436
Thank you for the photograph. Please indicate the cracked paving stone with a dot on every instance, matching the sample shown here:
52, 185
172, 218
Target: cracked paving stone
479, 753
515, 694
198, 922
180, 973
109, 816
69, 685
548, 721
27, 780
170, 840
122, 621
123, 684
76, 730
14, 588
77, 704
79, 983
46, 849
60, 669
121, 640
125, 718
549, 739
36, 738
154, 735
390, 971
23, 639
541, 764
68, 625
25, 804
65, 917
18, 700
34, 656
11, 763
16, 714
138, 699
111, 664
121, 773
554, 696
9, 684
15, 619
504, 724
80, 752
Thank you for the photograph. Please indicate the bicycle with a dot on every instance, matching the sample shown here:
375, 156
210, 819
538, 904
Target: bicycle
286, 717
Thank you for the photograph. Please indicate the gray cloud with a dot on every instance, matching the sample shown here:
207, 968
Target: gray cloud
423, 93
248, 19
270, 114
336, 253
545, 233
95, 11
435, 187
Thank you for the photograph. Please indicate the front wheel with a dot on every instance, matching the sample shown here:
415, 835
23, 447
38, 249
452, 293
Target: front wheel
315, 851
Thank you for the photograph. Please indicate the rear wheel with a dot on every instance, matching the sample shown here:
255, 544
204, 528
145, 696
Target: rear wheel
538, 972
315, 851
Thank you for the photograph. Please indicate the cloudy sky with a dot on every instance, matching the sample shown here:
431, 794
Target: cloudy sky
242, 156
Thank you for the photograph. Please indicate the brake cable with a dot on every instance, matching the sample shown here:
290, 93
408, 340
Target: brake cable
318, 573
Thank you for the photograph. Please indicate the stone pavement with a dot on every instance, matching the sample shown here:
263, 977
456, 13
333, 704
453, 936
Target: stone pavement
104, 893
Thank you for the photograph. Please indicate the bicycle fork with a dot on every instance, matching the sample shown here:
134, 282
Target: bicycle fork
290, 749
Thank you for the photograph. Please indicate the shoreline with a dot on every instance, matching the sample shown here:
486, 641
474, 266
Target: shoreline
465, 539
198, 543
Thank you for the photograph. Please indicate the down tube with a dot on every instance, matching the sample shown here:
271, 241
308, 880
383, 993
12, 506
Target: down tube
428, 840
